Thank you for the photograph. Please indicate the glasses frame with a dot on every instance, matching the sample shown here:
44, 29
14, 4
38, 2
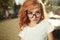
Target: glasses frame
32, 15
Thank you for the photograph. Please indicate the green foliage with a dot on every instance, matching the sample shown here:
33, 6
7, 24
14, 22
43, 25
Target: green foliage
5, 3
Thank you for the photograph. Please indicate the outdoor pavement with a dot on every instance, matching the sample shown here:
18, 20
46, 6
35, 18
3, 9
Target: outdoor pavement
9, 29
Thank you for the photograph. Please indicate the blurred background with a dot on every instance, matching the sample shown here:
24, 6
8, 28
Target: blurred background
9, 17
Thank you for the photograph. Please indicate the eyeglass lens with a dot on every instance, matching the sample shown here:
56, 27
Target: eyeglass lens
36, 14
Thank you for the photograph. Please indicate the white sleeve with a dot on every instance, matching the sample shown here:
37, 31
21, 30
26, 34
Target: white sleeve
21, 34
50, 28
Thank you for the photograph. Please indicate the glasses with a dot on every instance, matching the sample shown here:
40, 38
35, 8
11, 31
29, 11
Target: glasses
31, 15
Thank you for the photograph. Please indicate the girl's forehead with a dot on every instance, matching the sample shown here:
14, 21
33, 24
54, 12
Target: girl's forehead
31, 7
34, 10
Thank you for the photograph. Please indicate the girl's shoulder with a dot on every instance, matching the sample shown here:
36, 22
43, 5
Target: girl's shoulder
45, 22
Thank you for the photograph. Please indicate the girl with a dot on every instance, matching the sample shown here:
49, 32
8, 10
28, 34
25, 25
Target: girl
33, 25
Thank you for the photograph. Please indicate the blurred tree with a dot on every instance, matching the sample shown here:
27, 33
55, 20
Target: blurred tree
58, 2
11, 3
5, 3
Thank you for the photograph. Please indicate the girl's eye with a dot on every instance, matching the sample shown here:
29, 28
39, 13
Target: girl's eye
37, 12
29, 12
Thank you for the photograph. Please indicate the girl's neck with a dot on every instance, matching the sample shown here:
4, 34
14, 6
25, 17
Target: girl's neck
31, 24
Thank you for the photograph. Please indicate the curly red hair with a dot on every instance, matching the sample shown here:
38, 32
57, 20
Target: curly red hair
22, 15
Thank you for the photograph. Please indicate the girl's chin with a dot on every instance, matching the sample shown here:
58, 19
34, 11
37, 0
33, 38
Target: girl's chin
34, 21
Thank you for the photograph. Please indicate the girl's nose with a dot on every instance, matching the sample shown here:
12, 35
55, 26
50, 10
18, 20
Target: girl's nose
34, 16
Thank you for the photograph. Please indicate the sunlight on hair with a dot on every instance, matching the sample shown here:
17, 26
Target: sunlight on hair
45, 13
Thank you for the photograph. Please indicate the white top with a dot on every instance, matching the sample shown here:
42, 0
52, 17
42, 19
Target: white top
39, 32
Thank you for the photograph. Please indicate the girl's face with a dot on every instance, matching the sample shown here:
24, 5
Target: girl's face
34, 15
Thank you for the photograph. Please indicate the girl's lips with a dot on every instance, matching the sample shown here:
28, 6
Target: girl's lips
35, 20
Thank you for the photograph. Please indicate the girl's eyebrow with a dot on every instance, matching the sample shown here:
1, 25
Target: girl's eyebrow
39, 10
29, 11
